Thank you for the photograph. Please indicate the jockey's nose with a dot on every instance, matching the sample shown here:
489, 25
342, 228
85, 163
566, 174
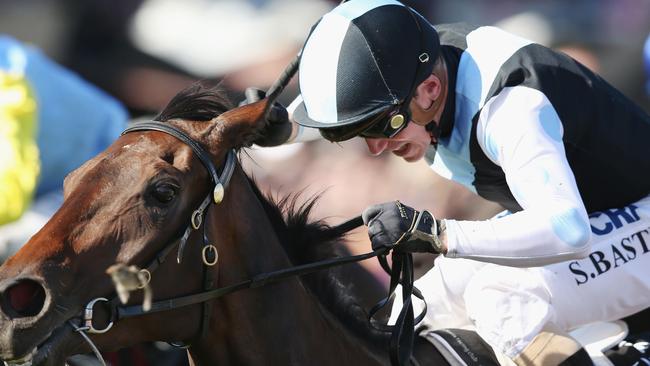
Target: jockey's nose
376, 146
22, 298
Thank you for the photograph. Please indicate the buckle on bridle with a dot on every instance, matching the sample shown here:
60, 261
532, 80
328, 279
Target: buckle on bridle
145, 277
218, 193
210, 249
197, 219
88, 317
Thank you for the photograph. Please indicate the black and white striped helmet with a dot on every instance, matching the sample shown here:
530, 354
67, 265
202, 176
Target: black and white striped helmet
363, 58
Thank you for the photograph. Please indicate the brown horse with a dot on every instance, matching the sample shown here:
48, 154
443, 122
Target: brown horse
134, 201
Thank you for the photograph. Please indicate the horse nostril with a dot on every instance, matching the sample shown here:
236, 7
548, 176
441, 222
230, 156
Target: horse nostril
23, 299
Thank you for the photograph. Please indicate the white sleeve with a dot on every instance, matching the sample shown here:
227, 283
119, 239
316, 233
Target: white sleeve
520, 131
303, 134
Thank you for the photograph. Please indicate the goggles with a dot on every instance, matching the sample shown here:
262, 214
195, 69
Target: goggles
386, 124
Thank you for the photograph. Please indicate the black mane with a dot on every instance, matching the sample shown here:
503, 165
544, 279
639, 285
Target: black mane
308, 241
304, 241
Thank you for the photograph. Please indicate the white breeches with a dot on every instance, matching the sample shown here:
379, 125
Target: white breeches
509, 306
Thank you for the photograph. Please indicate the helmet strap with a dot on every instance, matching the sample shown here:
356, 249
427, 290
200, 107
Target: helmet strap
433, 127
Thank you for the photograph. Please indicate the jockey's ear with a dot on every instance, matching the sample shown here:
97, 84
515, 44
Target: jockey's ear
239, 126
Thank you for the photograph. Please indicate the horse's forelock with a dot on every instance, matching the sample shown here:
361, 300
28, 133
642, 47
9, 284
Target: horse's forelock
205, 101
201, 101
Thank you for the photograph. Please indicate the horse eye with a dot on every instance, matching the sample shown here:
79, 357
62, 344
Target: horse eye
164, 193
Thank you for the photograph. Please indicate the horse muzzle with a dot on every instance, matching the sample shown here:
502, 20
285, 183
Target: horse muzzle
24, 320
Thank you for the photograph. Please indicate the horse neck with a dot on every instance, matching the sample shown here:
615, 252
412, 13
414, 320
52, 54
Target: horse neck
281, 323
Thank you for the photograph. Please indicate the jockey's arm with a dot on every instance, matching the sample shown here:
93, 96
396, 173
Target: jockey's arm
523, 136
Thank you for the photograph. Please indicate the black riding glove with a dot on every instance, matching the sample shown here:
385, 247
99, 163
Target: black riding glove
395, 226
278, 127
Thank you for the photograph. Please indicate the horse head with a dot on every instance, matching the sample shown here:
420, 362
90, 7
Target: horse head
123, 206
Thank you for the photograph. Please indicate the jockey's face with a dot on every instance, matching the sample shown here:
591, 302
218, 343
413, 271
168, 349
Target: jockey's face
413, 141
410, 144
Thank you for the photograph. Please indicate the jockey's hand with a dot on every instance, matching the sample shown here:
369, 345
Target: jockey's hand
278, 127
393, 225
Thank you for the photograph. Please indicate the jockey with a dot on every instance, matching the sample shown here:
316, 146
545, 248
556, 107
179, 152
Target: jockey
559, 148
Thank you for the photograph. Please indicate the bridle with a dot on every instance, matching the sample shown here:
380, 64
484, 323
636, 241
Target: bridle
209, 251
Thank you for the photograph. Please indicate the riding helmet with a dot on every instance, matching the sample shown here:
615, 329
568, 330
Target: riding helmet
362, 60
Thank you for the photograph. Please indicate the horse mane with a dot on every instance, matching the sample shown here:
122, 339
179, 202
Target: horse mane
308, 241
303, 241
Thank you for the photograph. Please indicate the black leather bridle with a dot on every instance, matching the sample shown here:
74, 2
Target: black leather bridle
209, 252
220, 182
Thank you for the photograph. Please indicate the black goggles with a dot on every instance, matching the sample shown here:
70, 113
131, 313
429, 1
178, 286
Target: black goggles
384, 125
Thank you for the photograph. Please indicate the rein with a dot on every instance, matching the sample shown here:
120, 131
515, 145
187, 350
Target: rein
259, 280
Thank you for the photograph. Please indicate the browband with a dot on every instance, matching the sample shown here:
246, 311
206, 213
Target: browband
220, 182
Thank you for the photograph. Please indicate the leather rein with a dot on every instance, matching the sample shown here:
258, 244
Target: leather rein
401, 272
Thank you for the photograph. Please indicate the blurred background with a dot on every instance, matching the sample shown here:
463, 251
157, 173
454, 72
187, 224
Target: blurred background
138, 54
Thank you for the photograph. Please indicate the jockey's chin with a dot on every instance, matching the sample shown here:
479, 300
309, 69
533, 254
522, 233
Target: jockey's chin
410, 153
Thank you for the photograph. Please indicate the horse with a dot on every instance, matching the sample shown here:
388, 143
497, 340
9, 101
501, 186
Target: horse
132, 205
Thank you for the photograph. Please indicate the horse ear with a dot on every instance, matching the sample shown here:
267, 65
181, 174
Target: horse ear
239, 126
